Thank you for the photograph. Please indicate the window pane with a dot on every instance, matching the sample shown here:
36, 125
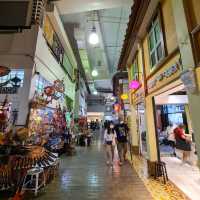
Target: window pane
157, 32
159, 51
151, 41
153, 59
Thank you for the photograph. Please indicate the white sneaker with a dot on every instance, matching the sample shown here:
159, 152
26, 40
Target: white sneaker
107, 162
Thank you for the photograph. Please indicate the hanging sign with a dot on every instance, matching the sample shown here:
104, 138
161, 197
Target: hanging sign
124, 96
134, 84
162, 76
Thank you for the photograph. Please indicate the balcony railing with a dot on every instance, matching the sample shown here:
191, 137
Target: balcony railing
56, 48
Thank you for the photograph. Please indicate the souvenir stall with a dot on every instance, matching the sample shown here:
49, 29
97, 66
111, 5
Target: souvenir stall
23, 156
21, 163
47, 123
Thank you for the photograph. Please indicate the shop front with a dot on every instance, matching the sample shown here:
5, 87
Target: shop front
168, 101
138, 116
14, 92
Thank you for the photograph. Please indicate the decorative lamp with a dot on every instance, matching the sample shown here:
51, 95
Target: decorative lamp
4, 71
94, 73
95, 92
124, 96
134, 84
117, 107
93, 37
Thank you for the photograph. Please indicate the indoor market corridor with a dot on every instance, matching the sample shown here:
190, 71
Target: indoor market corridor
85, 176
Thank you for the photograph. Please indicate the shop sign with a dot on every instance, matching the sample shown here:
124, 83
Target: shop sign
139, 96
164, 75
189, 80
8, 90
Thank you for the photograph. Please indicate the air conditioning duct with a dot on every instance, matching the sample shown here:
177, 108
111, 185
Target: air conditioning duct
20, 14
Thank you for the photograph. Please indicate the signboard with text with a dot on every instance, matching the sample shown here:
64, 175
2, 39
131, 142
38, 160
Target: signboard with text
8, 90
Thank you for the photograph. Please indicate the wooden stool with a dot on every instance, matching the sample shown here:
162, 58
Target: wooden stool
161, 171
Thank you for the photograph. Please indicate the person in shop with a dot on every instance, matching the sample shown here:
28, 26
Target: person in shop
171, 137
92, 125
110, 142
183, 141
122, 129
88, 136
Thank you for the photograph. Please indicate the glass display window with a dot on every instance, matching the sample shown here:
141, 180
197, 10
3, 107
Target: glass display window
19, 73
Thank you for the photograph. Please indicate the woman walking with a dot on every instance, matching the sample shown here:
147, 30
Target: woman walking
110, 141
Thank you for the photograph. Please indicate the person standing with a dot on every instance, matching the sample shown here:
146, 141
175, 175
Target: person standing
183, 141
171, 137
110, 141
122, 139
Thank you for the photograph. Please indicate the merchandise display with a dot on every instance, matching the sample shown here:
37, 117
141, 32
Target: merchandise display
16, 160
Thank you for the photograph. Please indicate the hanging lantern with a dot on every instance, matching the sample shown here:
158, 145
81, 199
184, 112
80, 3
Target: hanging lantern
117, 107
134, 84
124, 96
49, 91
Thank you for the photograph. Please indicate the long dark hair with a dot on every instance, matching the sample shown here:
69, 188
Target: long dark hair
110, 130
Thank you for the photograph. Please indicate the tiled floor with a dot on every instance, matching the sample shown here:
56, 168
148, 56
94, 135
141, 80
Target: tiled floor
158, 190
185, 176
86, 176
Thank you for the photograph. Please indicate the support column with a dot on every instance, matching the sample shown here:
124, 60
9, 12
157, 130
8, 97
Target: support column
23, 97
134, 131
189, 122
150, 135
185, 46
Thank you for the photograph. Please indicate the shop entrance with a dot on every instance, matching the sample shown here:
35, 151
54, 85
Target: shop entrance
171, 108
141, 128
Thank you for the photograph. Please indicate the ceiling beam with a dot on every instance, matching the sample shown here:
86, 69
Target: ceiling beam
77, 6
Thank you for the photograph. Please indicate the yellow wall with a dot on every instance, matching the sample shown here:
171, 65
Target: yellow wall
187, 111
140, 64
150, 125
169, 30
169, 26
198, 76
147, 63
168, 80
195, 8
129, 74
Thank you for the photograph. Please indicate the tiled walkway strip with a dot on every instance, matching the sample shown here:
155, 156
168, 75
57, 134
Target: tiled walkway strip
158, 190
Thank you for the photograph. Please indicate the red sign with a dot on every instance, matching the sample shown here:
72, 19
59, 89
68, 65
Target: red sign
4, 71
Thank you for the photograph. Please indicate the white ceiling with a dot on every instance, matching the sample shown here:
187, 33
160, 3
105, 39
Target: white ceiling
114, 23
110, 19
76, 6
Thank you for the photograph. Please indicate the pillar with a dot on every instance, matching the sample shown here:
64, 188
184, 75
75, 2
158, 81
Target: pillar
185, 46
152, 153
24, 97
189, 122
134, 131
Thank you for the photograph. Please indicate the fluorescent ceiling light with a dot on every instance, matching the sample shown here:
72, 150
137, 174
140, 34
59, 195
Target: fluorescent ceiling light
93, 37
95, 92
